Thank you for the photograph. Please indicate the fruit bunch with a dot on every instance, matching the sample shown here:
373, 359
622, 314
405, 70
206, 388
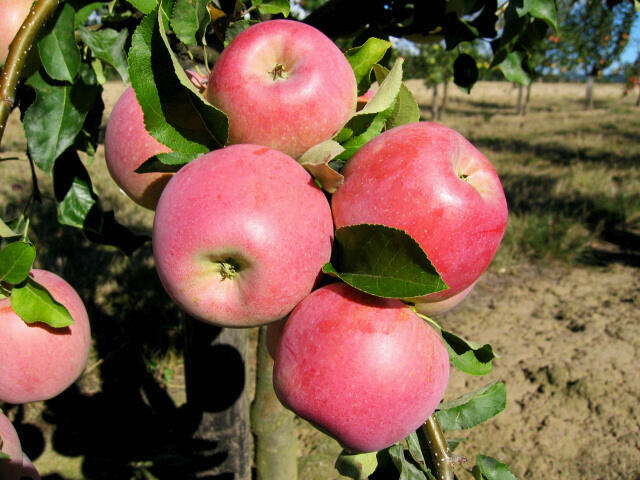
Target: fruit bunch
244, 235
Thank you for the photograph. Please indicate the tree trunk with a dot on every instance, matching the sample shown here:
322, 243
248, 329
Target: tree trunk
443, 105
272, 424
217, 399
589, 96
525, 107
519, 106
434, 103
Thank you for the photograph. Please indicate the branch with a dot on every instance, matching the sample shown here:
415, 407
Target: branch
443, 461
18, 53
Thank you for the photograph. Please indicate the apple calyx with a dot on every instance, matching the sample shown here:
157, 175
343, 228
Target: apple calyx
228, 269
279, 72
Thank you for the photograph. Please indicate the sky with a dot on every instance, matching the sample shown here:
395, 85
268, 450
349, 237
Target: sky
631, 52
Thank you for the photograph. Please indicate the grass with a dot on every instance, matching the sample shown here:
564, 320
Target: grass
572, 182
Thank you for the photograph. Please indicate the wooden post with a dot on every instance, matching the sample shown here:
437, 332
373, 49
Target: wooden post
217, 397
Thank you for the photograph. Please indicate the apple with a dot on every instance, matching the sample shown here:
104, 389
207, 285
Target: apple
12, 15
274, 332
240, 236
366, 370
365, 98
11, 468
429, 181
29, 470
127, 145
38, 362
431, 308
283, 84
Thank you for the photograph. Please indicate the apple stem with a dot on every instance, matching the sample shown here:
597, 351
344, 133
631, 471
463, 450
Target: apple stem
228, 269
443, 461
278, 72
22, 43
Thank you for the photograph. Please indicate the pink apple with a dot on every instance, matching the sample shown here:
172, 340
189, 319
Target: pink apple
38, 362
11, 468
29, 470
127, 145
438, 307
240, 236
364, 98
366, 370
284, 85
12, 15
431, 182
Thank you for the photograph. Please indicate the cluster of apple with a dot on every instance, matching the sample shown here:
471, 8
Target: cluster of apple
241, 234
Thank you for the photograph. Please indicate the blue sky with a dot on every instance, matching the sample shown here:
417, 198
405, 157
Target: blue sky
631, 52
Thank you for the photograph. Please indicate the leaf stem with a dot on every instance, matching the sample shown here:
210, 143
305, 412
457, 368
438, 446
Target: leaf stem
443, 462
18, 53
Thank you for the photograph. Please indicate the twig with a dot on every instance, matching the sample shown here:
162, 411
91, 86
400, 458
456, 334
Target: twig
18, 53
443, 461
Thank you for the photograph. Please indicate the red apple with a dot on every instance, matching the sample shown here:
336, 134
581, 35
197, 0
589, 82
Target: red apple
12, 15
438, 307
38, 362
127, 145
240, 236
284, 85
11, 468
29, 470
431, 182
366, 370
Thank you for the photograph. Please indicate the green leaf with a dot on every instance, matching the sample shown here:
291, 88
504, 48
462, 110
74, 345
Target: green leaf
235, 29
108, 45
357, 466
189, 20
469, 357
273, 7
6, 231
415, 449
33, 303
76, 204
175, 112
512, 70
473, 408
165, 163
386, 93
465, 72
382, 261
522, 7
363, 58
406, 469
16, 260
58, 50
453, 443
405, 109
491, 469
57, 115
545, 10
14, 228
145, 6
316, 161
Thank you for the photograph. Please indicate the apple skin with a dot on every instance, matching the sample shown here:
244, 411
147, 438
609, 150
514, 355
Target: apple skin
127, 145
10, 469
442, 306
38, 362
366, 370
12, 15
314, 101
244, 206
410, 177
29, 470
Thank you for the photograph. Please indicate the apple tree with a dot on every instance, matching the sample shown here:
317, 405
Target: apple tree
55, 74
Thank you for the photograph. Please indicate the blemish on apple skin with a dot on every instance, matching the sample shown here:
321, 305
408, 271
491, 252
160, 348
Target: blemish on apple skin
261, 151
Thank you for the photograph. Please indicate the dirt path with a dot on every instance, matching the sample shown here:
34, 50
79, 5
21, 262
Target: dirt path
568, 341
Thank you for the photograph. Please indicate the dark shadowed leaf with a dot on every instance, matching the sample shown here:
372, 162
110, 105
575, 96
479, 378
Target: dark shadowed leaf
465, 71
382, 261
108, 45
16, 260
406, 469
83, 11
488, 468
33, 303
53, 121
58, 50
76, 204
166, 162
473, 408
357, 466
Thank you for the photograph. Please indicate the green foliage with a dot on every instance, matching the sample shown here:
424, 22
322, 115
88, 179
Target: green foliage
16, 260
473, 408
488, 468
382, 261
33, 303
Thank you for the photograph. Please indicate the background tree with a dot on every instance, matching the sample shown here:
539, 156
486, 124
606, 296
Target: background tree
591, 38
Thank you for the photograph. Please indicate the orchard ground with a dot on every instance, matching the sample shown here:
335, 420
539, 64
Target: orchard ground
559, 304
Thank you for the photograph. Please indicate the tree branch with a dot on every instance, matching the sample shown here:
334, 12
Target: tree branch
18, 53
